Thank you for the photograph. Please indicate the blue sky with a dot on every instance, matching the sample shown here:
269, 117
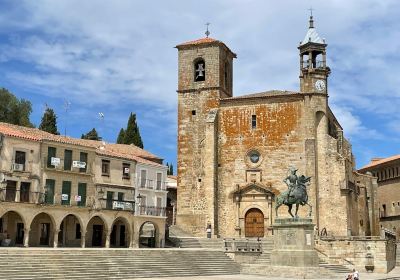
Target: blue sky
117, 56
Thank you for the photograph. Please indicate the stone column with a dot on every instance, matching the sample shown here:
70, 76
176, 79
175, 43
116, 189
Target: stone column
26, 237
55, 239
83, 239
18, 191
108, 233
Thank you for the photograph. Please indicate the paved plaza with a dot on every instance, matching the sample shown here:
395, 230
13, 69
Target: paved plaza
393, 275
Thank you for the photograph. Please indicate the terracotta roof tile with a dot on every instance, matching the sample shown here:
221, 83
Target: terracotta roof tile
129, 152
204, 41
379, 162
269, 93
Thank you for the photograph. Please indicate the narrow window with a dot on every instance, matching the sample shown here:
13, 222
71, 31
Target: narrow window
105, 167
199, 70
110, 200
67, 159
226, 75
159, 181
20, 157
83, 159
194, 113
125, 170
66, 193
120, 196
49, 191
51, 153
253, 121
81, 194
143, 178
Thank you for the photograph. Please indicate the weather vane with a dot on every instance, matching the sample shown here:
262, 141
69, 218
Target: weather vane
207, 32
311, 9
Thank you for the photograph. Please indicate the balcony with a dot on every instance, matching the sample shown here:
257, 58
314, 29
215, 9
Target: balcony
120, 205
151, 211
20, 196
151, 184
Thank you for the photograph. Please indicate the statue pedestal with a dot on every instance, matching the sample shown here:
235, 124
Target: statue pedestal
294, 243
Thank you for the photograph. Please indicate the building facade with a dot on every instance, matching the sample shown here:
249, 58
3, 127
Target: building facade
61, 191
234, 152
387, 173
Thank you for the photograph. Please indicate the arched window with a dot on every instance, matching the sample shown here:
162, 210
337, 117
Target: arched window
226, 75
199, 70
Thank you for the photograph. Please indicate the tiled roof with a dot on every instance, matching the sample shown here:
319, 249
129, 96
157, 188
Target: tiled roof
202, 41
129, 152
269, 93
377, 162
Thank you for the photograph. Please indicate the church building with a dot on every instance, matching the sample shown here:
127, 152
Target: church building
235, 151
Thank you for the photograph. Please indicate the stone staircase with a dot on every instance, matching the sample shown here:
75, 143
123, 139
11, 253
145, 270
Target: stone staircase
43, 263
334, 268
398, 254
197, 242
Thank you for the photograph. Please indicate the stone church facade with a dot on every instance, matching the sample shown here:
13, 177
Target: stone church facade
234, 152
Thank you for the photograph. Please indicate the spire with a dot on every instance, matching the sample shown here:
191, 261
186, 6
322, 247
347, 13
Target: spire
207, 32
312, 35
311, 22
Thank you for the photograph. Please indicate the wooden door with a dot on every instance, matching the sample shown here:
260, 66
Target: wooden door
254, 223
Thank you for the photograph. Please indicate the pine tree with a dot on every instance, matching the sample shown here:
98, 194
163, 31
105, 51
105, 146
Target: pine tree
132, 133
121, 137
49, 122
91, 135
168, 169
171, 169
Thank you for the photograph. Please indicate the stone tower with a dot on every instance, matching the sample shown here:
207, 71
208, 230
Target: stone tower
204, 78
313, 70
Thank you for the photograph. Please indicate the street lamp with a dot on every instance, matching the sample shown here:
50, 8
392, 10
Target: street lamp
139, 200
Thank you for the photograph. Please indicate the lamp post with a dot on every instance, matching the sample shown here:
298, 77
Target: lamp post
139, 200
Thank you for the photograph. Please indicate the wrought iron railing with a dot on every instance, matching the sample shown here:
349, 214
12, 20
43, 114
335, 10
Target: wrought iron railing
151, 184
114, 204
242, 245
152, 210
21, 196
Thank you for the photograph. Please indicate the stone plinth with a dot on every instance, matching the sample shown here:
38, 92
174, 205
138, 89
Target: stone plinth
294, 243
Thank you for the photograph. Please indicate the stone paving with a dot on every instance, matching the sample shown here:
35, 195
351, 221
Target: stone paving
393, 275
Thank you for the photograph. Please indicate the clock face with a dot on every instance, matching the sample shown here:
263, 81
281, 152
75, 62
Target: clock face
320, 85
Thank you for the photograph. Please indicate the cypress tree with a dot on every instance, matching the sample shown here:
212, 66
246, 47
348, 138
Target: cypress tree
171, 169
121, 137
132, 133
49, 122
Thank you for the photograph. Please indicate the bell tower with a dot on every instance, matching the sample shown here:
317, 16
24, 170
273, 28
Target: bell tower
313, 69
204, 78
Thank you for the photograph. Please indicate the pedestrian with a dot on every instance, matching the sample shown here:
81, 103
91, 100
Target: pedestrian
356, 275
349, 277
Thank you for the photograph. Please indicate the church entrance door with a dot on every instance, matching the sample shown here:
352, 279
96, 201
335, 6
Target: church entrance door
254, 223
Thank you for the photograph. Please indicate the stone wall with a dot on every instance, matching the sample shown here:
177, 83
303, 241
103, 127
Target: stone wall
381, 253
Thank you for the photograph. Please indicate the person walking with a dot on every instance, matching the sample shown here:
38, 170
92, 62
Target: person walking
356, 275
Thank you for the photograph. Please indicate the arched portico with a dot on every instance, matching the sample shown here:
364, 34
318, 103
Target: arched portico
12, 229
121, 234
42, 231
96, 232
148, 235
70, 231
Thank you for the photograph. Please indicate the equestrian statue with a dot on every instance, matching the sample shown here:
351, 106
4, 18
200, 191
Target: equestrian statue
295, 194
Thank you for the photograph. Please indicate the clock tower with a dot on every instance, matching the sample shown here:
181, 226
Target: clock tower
313, 70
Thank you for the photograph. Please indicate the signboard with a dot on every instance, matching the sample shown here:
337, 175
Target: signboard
55, 161
119, 205
64, 196
78, 198
78, 164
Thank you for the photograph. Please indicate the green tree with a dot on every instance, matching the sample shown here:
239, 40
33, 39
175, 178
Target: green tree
91, 135
171, 169
13, 110
121, 137
132, 133
49, 122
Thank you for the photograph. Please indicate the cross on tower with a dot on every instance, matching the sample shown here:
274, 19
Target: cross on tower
207, 32
311, 9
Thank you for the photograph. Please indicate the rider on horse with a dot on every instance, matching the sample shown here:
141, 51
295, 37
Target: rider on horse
291, 182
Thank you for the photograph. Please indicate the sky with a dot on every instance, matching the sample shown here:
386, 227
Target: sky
117, 57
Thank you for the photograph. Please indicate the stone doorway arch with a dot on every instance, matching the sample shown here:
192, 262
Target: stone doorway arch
12, 229
96, 232
254, 223
70, 234
148, 235
42, 230
120, 233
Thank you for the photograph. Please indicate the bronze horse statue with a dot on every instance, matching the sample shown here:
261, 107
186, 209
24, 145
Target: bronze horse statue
296, 194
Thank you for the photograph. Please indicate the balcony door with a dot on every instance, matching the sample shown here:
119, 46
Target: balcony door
11, 190
25, 189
